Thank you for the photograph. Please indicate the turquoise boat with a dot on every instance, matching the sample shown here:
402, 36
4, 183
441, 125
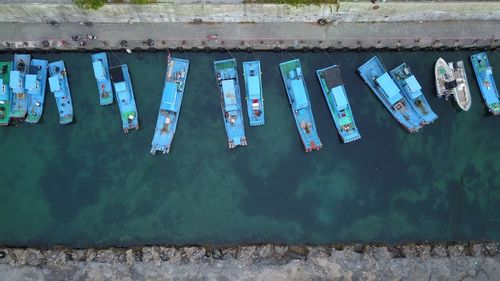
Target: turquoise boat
17, 81
36, 81
226, 75
338, 103
125, 97
408, 84
5, 94
381, 83
484, 76
59, 86
255, 99
101, 73
170, 105
296, 90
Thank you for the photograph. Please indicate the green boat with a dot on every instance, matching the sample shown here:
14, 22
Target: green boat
5, 95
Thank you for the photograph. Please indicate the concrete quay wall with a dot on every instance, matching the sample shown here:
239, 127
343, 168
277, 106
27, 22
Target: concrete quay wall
44, 11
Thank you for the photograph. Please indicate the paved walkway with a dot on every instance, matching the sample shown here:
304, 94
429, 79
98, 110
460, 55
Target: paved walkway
258, 36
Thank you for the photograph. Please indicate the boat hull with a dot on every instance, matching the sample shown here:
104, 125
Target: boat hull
61, 91
19, 97
5, 93
170, 105
484, 77
125, 97
412, 91
443, 75
36, 95
298, 97
332, 86
254, 96
462, 94
226, 75
372, 70
101, 73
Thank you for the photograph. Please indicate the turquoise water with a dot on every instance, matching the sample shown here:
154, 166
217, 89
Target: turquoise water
88, 184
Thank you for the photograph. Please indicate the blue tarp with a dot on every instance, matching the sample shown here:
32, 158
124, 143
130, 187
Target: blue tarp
229, 95
31, 81
98, 69
54, 83
414, 86
170, 95
339, 97
15, 79
299, 93
253, 87
390, 88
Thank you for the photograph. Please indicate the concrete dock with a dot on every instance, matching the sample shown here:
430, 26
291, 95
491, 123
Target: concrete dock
258, 36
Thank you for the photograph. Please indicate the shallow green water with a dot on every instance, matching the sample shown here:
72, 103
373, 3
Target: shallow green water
90, 184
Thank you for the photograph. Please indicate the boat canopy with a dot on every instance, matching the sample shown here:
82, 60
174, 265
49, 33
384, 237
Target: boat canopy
391, 90
489, 71
170, 96
253, 87
30, 81
339, 97
229, 95
414, 86
299, 93
54, 84
98, 69
15, 79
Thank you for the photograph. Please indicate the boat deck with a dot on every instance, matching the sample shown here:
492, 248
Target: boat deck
291, 72
170, 105
100, 66
254, 98
36, 82
125, 97
376, 77
484, 75
20, 68
59, 86
230, 98
5, 93
338, 103
407, 82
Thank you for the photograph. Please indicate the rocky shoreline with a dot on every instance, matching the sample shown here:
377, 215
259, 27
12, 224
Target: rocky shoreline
422, 261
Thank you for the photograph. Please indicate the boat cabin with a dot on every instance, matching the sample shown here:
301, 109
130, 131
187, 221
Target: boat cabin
170, 96
31, 82
389, 88
299, 93
339, 98
414, 87
55, 86
254, 91
122, 92
15, 80
229, 93
99, 72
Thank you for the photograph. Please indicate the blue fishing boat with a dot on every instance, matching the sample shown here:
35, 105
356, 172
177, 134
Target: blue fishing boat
336, 98
59, 86
17, 80
412, 90
484, 76
226, 75
5, 94
170, 106
101, 73
379, 81
296, 90
36, 80
255, 98
125, 97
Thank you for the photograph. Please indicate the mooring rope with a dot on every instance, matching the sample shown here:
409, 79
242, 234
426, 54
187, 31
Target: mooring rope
330, 58
229, 52
122, 62
400, 55
437, 53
